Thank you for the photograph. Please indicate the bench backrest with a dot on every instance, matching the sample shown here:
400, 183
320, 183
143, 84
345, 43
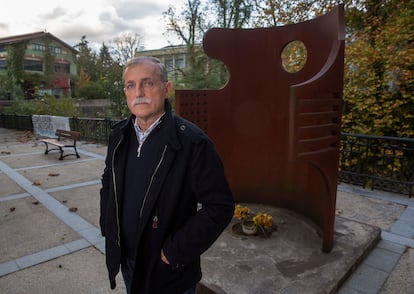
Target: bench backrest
73, 135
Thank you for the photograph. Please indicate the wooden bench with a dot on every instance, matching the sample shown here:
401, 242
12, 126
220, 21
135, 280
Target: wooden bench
64, 139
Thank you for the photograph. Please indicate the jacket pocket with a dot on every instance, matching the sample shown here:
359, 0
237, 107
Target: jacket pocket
166, 276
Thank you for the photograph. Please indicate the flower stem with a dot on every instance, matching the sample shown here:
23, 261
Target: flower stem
264, 231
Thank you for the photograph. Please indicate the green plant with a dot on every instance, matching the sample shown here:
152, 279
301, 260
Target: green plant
48, 105
92, 90
21, 106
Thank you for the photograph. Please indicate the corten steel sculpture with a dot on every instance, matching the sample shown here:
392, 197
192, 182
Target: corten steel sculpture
278, 133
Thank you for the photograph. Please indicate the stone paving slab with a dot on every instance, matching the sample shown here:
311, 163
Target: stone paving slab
95, 148
54, 176
408, 242
382, 259
367, 210
403, 227
13, 137
367, 279
403, 271
27, 227
84, 199
80, 272
8, 186
391, 246
16, 148
31, 159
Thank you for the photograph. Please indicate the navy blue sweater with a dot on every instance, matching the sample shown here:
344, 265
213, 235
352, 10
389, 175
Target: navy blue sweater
138, 172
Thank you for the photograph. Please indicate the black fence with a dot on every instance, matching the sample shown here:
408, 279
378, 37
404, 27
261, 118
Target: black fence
375, 162
92, 129
15, 121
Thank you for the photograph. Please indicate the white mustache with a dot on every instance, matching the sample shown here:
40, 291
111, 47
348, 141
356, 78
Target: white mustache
141, 100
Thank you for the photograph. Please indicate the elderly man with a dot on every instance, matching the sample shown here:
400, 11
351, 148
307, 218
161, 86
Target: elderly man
164, 196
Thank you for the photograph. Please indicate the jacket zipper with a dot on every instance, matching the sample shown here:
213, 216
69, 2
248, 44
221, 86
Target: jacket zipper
115, 190
152, 179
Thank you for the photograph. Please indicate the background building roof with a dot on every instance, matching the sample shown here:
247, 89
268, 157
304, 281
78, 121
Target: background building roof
31, 36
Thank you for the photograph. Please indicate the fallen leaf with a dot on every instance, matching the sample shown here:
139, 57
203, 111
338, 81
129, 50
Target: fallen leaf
54, 174
35, 202
73, 209
338, 211
6, 152
12, 209
36, 183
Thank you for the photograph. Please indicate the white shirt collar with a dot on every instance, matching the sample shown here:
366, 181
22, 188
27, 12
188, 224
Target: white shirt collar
143, 135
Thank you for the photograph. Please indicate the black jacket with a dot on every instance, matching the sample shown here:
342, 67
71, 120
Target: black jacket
188, 172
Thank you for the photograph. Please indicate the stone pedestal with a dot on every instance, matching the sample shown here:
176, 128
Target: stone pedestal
290, 261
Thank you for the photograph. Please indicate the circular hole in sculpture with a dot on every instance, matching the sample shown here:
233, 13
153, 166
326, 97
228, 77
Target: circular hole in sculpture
294, 56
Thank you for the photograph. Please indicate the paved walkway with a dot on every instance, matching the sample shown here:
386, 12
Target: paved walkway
389, 268
50, 241
49, 236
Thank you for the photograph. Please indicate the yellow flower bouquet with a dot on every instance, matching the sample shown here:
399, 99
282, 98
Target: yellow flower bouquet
251, 223
241, 212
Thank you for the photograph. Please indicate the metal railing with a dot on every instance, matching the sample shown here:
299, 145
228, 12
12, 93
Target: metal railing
16, 121
375, 162
92, 129
378, 162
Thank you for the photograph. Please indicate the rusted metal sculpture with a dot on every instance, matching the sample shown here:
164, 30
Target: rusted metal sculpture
278, 133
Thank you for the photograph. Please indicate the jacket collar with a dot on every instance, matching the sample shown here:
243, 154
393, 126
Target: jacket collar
169, 129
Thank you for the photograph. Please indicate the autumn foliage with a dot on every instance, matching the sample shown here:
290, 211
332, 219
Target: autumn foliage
379, 70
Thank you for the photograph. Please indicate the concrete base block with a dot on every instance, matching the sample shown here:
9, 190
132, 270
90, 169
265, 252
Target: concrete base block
290, 261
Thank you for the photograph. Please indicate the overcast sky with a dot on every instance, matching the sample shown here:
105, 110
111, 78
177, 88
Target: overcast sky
100, 20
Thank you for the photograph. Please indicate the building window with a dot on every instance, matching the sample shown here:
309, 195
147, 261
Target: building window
62, 67
3, 49
180, 62
169, 64
56, 50
42, 47
38, 47
3, 64
32, 65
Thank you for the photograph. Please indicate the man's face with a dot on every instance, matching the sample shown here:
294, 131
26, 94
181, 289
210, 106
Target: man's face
145, 91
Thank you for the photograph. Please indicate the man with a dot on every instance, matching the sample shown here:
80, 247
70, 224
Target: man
164, 196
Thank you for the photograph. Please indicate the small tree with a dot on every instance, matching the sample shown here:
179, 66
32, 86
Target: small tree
126, 46
86, 61
191, 24
14, 79
111, 81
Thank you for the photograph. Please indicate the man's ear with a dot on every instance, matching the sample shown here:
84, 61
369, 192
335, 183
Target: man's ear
168, 89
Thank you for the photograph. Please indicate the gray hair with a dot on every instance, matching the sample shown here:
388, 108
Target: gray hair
143, 59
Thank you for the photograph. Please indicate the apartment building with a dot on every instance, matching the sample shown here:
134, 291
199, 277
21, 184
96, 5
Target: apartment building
174, 58
38, 46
